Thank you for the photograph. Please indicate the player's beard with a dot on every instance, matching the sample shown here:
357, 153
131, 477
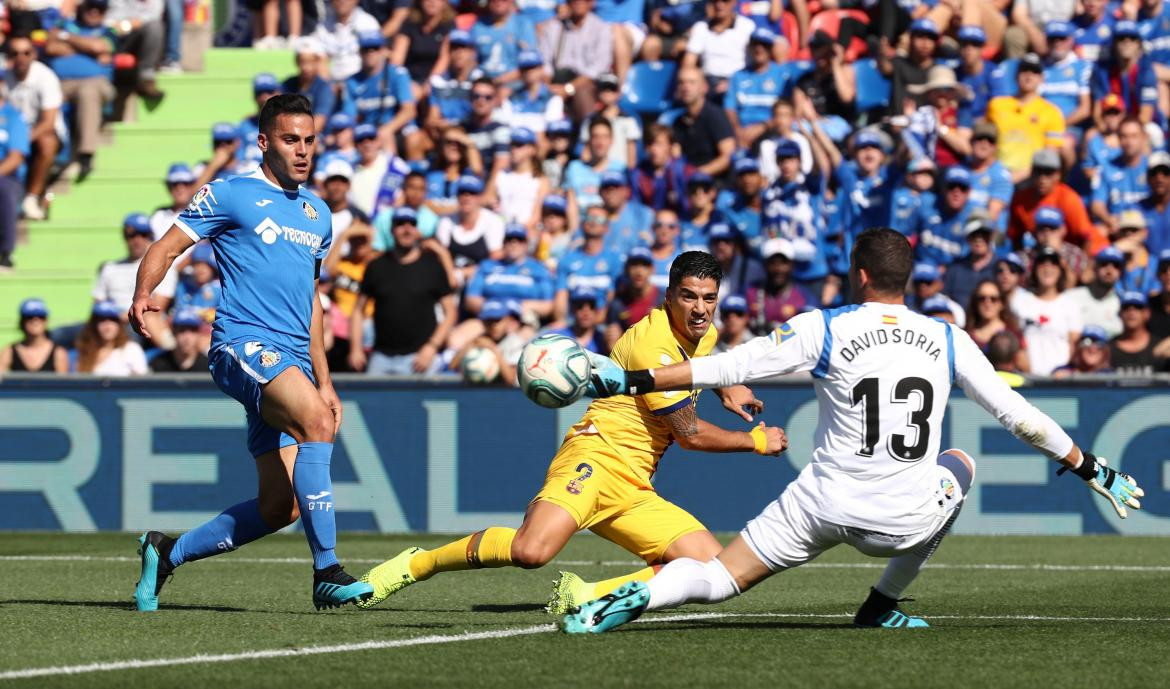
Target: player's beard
284, 172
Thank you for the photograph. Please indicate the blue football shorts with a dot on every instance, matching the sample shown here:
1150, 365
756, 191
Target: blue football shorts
241, 371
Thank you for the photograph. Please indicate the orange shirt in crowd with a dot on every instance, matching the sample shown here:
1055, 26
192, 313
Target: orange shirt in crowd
1081, 231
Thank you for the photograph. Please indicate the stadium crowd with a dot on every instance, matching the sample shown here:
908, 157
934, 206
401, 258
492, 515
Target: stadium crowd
500, 169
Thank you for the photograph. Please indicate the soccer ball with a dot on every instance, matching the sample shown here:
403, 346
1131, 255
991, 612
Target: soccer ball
480, 366
554, 371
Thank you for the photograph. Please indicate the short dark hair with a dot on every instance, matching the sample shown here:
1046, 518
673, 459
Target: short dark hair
416, 173
600, 121
1002, 348
886, 256
283, 104
694, 264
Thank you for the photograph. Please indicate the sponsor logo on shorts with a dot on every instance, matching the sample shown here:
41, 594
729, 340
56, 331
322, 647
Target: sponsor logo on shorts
948, 488
269, 358
251, 348
574, 485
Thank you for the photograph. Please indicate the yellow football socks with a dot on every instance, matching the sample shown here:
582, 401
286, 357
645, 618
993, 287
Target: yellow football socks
610, 585
491, 547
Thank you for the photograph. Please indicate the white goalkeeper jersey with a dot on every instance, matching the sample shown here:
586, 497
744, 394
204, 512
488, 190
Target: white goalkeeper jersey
882, 375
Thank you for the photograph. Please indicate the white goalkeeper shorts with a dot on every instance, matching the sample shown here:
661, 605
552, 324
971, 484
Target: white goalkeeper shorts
785, 535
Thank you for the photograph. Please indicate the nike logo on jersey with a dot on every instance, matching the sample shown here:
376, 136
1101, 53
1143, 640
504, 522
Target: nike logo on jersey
252, 347
318, 496
264, 202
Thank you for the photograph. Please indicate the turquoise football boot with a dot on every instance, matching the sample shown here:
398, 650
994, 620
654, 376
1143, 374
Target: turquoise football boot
896, 619
880, 610
154, 549
610, 611
333, 588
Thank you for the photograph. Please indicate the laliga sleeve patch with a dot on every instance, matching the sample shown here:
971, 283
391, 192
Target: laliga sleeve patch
783, 333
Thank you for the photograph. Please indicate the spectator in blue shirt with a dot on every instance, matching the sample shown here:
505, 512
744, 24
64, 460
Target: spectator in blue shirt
1066, 76
1102, 141
381, 95
264, 86
664, 248
14, 148
1094, 28
793, 210
1128, 73
629, 221
867, 183
974, 72
699, 211
457, 156
740, 270
583, 179
752, 91
977, 266
450, 91
342, 144
500, 33
198, 289
309, 83
1156, 206
515, 276
1153, 20
913, 200
1121, 183
586, 326
491, 137
943, 239
991, 182
744, 206
591, 266
534, 106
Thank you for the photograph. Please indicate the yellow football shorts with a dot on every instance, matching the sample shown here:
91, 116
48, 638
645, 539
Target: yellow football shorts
590, 480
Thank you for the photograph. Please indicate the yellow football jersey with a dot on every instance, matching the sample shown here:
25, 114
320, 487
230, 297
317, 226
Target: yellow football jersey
633, 426
1025, 128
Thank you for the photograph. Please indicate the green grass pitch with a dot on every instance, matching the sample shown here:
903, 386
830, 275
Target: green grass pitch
1006, 612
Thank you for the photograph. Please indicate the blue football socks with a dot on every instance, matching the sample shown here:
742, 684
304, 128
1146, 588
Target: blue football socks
236, 526
314, 491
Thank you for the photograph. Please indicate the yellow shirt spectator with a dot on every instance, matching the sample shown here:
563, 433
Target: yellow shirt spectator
1024, 128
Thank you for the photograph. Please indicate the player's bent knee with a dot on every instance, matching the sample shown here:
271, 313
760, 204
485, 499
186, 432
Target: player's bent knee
279, 513
531, 554
963, 457
318, 427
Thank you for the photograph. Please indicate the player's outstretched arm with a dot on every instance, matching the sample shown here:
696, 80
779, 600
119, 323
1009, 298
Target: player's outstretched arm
693, 433
151, 270
978, 379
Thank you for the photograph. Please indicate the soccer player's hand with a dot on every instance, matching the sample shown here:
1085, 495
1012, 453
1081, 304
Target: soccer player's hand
1121, 490
739, 400
606, 378
775, 439
137, 315
329, 395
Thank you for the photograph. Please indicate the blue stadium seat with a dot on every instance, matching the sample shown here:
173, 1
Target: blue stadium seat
873, 89
649, 87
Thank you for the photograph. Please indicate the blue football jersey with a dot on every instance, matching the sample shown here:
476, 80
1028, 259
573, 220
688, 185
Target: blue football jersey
526, 279
1120, 187
378, 96
597, 273
249, 151
793, 210
1065, 82
1155, 32
499, 47
752, 94
992, 184
1093, 37
910, 210
267, 243
942, 240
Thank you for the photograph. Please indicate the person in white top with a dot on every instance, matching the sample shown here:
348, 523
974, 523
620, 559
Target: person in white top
338, 34
473, 233
35, 91
519, 191
719, 43
876, 480
103, 346
1049, 317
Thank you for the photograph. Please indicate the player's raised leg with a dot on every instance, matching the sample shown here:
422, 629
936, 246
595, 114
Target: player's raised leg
956, 471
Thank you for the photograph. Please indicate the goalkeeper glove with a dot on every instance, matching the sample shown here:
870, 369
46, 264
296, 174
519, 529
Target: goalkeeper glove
1120, 489
607, 379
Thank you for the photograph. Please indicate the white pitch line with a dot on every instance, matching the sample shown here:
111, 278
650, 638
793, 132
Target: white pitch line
1039, 567
372, 645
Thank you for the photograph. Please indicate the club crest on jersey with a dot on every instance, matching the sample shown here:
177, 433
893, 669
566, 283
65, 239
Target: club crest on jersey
269, 358
310, 212
574, 485
202, 200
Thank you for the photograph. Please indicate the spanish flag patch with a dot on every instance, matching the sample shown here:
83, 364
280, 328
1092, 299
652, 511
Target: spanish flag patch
889, 320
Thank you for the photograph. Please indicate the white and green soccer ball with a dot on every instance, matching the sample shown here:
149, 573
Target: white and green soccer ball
553, 371
480, 366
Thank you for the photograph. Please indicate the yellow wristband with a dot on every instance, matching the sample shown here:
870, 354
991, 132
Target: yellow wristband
760, 439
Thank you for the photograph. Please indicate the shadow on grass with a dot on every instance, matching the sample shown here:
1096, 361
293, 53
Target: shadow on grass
510, 607
120, 605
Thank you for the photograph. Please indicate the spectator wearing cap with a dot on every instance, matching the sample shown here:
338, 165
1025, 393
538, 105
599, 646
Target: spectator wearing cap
1156, 206
264, 86
1046, 189
740, 270
657, 179
79, 51
1050, 320
1128, 73
988, 315
703, 134
376, 182
627, 129
938, 307
419, 44
664, 246
733, 329
414, 198
1093, 30
1091, 356
449, 97
777, 298
500, 35
559, 154
1160, 301
139, 27
782, 126
719, 43
115, 280
514, 276
743, 205
187, 356
974, 72
1101, 143
382, 95
753, 90
198, 289
629, 221
927, 284
943, 237
406, 286
180, 181
912, 68
35, 352
1137, 270
913, 200
794, 209
1027, 122
935, 129
473, 233
352, 251
504, 335
104, 347
309, 82
225, 143
991, 182
341, 141
457, 157
338, 33
1067, 77
586, 326
577, 50
534, 105
583, 176
518, 192
591, 266
635, 296
1121, 182
14, 149
553, 231
866, 183
830, 87
1134, 351
491, 137
977, 265
35, 91
699, 210
1010, 276
336, 183
1050, 231
1099, 300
